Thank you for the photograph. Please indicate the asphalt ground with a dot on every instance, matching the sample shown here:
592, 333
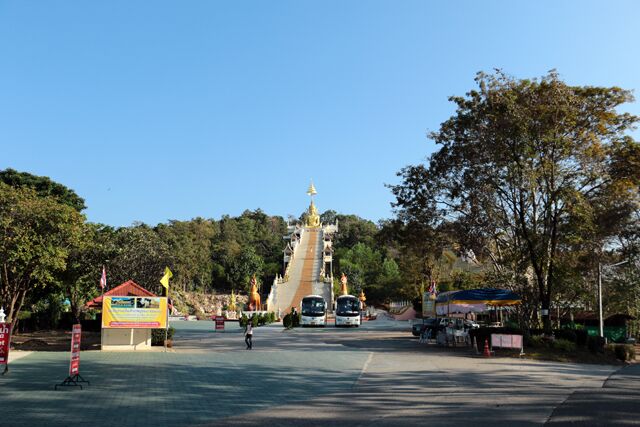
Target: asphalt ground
375, 374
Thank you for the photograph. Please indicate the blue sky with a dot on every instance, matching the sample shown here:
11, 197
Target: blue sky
158, 110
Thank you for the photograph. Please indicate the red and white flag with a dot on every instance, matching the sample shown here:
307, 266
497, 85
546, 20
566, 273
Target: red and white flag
103, 278
432, 288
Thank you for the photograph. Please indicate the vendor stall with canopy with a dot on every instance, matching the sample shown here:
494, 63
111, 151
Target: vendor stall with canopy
474, 300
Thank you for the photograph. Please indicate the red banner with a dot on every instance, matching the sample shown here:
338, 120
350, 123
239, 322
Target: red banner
76, 335
5, 337
219, 323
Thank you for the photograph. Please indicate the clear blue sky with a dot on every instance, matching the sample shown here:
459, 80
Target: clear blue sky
158, 110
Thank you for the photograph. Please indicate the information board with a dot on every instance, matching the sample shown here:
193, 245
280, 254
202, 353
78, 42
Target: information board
5, 338
76, 335
134, 312
506, 341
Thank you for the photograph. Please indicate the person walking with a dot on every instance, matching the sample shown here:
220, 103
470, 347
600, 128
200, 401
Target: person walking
248, 335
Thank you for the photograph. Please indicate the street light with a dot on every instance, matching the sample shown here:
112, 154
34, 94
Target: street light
600, 266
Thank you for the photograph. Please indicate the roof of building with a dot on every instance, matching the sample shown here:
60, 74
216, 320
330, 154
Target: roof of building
126, 289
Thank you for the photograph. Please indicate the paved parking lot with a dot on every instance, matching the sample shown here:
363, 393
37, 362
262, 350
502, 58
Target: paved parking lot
374, 374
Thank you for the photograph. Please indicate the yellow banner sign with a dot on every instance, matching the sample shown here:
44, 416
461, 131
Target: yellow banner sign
428, 305
134, 312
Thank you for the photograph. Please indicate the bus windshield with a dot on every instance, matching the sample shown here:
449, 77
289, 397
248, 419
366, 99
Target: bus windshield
313, 307
348, 307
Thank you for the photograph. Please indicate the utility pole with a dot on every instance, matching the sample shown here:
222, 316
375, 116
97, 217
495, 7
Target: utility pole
600, 267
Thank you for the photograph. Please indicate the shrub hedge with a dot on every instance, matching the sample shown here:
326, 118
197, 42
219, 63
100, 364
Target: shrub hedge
624, 352
157, 335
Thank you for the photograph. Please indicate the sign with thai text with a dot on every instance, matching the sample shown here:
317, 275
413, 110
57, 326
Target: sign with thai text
5, 338
506, 341
428, 305
219, 323
134, 312
76, 335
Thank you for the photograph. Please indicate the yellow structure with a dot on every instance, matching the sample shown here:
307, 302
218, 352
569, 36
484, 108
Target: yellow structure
232, 302
313, 219
254, 296
344, 290
362, 298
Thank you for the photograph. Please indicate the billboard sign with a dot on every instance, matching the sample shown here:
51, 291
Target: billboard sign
76, 334
134, 312
5, 338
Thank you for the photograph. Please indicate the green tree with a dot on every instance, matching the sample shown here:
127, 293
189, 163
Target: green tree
527, 163
43, 186
36, 236
93, 250
190, 243
245, 266
141, 256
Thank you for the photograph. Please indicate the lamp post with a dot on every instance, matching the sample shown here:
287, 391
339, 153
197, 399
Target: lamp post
600, 319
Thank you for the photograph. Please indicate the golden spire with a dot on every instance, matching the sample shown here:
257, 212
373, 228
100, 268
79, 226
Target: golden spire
313, 219
311, 191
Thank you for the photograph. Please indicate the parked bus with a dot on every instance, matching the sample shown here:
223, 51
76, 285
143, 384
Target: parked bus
313, 311
348, 311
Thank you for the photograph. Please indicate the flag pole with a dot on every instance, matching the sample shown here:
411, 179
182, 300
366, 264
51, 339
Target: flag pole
166, 327
165, 283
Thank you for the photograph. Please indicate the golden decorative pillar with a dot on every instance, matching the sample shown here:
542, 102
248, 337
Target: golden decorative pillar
232, 302
362, 299
343, 281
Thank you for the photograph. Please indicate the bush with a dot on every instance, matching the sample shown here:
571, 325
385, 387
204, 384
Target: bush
567, 334
595, 344
157, 335
624, 352
564, 345
537, 341
581, 337
254, 321
243, 320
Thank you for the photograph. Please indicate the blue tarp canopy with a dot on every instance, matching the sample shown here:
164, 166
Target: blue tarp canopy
474, 300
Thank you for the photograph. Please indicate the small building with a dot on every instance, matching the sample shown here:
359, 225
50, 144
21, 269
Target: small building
617, 327
123, 339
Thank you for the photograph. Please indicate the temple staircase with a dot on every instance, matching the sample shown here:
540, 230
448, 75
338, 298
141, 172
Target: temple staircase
303, 275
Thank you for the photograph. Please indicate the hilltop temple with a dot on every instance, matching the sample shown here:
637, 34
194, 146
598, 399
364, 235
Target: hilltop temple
308, 262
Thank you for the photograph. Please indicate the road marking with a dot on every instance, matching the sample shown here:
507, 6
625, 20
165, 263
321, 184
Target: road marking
364, 369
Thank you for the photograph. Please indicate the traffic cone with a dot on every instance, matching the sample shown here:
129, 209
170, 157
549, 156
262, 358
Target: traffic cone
486, 353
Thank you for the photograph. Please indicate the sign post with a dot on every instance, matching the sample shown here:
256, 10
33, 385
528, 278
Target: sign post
5, 339
74, 379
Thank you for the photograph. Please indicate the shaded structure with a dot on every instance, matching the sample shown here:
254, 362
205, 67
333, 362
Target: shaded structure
475, 300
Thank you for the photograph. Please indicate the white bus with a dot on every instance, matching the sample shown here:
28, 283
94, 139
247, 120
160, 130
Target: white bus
313, 310
348, 311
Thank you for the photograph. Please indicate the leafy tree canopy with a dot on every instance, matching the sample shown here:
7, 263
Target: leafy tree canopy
43, 186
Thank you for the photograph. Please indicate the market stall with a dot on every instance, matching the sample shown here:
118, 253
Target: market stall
452, 304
